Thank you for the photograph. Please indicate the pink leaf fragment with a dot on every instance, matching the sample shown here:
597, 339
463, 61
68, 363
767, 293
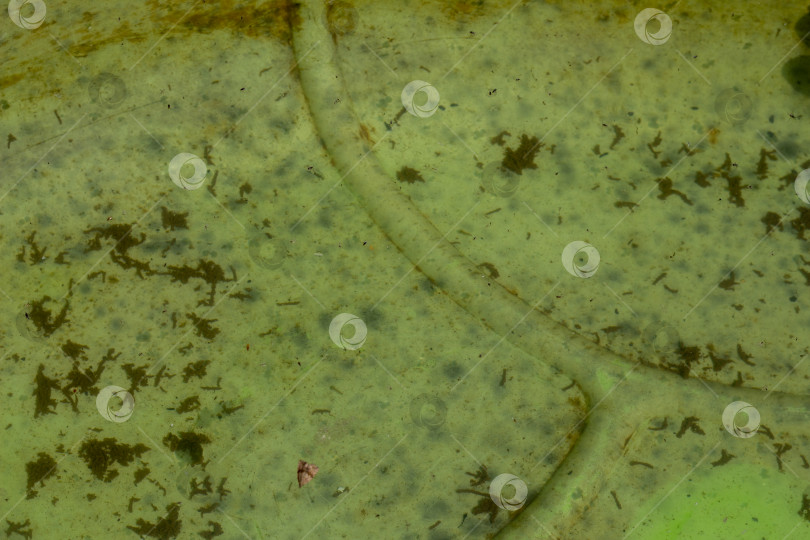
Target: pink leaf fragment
306, 472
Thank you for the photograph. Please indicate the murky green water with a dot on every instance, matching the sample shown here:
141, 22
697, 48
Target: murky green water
533, 270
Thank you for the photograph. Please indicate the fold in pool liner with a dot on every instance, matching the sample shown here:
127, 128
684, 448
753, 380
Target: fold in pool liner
621, 394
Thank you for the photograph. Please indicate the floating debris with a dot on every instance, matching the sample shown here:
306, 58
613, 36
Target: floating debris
306, 472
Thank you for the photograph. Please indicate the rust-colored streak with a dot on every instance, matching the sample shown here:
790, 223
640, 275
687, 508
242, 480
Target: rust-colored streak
256, 20
365, 135
95, 31
14, 78
90, 40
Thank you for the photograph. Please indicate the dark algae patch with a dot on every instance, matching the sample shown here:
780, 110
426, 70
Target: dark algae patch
81, 381
690, 424
38, 470
74, 350
124, 239
203, 327
196, 369
804, 511
188, 443
733, 181
173, 220
665, 187
100, 456
189, 404
167, 527
523, 157
725, 457
43, 403
485, 505
44, 319
35, 254
406, 174
208, 271
23, 528
77, 381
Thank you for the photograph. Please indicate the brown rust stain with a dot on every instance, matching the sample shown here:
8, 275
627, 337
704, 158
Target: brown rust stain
365, 134
469, 10
271, 19
89, 40
14, 78
156, 21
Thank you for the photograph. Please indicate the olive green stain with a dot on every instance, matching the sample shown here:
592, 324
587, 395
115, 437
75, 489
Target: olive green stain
802, 28
796, 72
